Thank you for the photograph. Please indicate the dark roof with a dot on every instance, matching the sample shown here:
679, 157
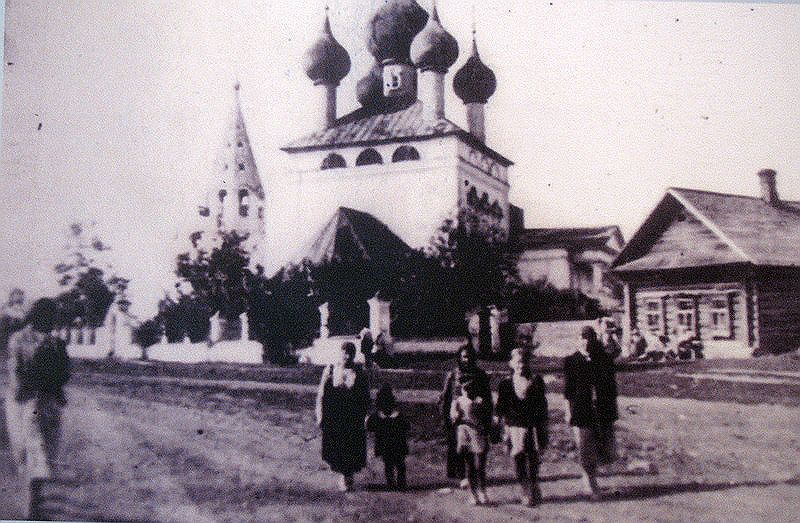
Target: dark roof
567, 237
352, 234
748, 229
399, 121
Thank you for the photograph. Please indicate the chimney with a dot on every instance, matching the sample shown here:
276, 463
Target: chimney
769, 192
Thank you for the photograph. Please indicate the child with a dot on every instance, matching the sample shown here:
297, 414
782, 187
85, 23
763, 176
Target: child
471, 416
391, 437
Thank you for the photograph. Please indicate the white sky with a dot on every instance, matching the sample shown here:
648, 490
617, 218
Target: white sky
601, 104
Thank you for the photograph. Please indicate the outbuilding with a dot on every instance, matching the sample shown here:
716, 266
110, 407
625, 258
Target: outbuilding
723, 268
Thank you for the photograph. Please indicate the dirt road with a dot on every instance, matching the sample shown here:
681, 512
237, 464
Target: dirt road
150, 456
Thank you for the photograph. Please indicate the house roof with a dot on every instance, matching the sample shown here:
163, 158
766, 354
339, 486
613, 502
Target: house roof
392, 121
352, 234
747, 230
568, 237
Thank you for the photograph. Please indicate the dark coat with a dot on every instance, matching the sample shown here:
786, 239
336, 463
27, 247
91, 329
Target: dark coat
344, 437
590, 386
391, 435
530, 412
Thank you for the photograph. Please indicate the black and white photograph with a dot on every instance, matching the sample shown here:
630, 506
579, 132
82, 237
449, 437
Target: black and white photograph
400, 260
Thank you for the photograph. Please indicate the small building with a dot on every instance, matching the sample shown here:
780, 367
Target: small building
723, 268
577, 258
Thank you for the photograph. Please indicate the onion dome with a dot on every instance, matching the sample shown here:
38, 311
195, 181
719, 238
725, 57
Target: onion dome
369, 90
434, 49
392, 28
474, 82
326, 61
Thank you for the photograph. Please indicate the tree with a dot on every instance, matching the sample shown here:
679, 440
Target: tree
216, 272
89, 289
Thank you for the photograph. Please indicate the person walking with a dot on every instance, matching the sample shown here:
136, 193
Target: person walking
391, 428
471, 417
466, 371
522, 407
590, 391
342, 403
38, 369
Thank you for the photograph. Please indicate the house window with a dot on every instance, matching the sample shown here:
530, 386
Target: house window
405, 153
369, 157
654, 316
720, 312
686, 314
333, 161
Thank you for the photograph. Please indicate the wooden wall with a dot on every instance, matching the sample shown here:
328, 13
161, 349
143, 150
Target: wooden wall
778, 310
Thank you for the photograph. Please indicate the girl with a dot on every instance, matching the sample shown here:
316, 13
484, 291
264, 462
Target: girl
471, 416
391, 437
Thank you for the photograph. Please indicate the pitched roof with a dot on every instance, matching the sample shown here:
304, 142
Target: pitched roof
746, 229
399, 121
352, 234
568, 237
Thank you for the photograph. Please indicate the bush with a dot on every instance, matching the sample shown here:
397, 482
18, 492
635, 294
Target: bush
148, 333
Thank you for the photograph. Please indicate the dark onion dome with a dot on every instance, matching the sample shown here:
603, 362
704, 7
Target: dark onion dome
369, 90
474, 82
434, 49
392, 28
326, 61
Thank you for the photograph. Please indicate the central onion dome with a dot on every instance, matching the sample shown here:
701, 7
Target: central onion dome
474, 82
326, 61
369, 90
392, 28
434, 49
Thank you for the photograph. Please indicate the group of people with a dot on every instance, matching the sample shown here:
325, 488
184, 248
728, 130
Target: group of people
473, 419
38, 370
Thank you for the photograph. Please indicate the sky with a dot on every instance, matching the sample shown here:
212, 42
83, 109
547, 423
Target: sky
602, 105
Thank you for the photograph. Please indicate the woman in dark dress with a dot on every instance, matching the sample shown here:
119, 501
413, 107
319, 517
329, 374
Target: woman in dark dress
342, 404
466, 371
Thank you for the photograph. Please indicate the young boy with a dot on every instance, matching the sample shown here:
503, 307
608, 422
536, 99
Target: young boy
471, 416
391, 437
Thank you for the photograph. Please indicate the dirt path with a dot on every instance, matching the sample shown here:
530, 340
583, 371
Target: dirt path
144, 460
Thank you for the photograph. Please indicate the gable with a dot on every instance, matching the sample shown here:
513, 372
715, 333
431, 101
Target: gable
673, 237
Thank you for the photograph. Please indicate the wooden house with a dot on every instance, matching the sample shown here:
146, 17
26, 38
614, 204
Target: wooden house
721, 267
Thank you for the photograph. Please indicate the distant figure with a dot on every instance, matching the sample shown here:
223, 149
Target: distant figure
590, 390
391, 437
638, 345
367, 345
522, 405
609, 337
471, 414
380, 351
38, 369
466, 371
342, 403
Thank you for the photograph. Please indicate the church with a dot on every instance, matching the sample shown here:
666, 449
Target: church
390, 172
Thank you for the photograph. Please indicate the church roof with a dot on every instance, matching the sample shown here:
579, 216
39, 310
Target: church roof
235, 161
387, 124
352, 234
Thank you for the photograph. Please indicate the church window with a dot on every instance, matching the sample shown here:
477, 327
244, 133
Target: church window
333, 161
260, 213
238, 144
241, 167
496, 210
222, 194
243, 202
225, 167
205, 212
405, 153
243, 210
369, 157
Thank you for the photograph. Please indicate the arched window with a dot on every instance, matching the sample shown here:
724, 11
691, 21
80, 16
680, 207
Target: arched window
369, 157
333, 161
243, 201
405, 153
222, 194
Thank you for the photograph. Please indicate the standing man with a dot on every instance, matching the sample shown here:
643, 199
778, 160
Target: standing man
38, 368
590, 390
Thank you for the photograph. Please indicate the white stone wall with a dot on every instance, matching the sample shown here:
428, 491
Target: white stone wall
549, 264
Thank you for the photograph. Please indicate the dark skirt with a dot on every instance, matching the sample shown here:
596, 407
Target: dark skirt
345, 449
